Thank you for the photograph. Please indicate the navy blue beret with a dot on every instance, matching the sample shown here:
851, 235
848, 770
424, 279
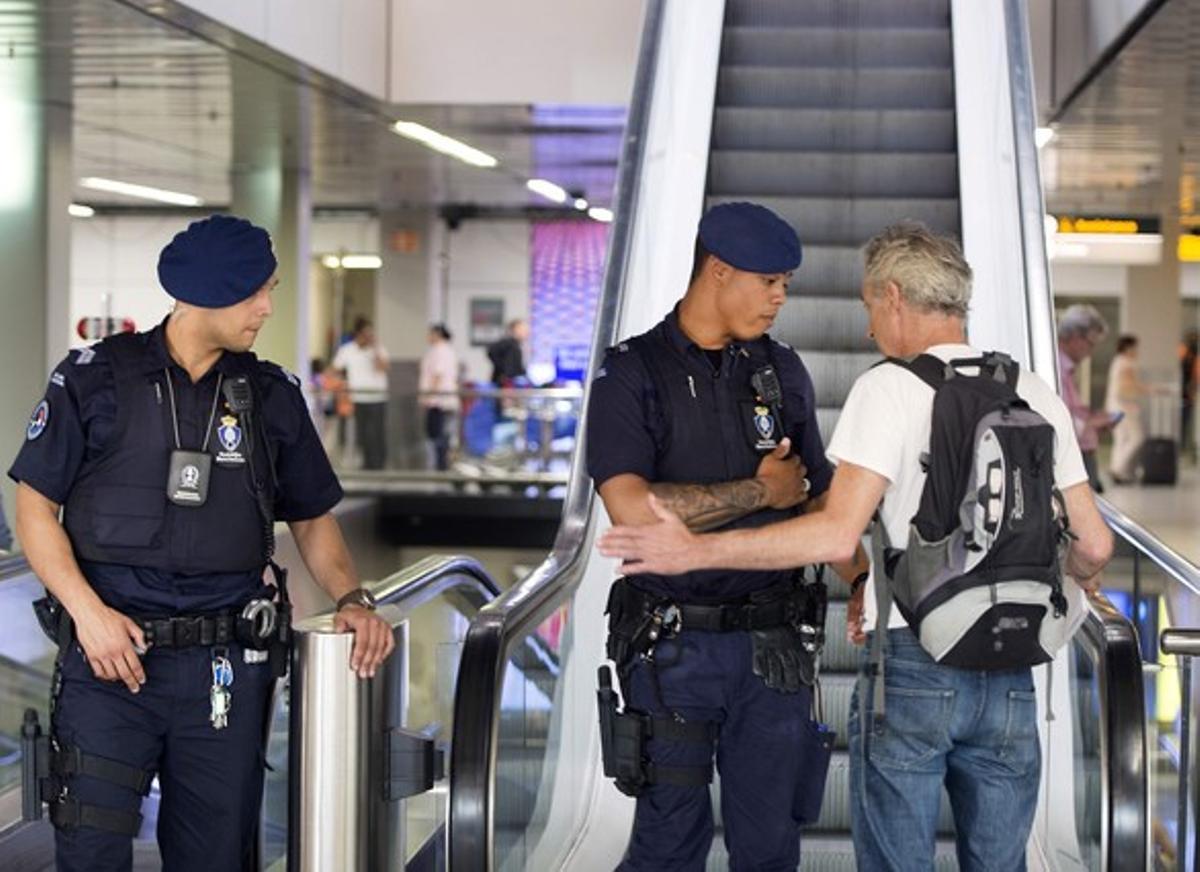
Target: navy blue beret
216, 262
750, 237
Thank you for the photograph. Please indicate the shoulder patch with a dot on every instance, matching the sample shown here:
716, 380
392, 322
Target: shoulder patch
601, 372
269, 367
38, 421
58, 379
85, 356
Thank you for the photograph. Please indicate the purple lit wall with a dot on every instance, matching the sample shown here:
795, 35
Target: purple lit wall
567, 265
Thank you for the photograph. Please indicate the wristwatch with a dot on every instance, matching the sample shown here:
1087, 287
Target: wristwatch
360, 596
859, 581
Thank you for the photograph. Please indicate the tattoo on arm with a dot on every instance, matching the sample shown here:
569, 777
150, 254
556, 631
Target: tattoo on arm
705, 507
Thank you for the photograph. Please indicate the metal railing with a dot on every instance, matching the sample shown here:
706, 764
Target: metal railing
1039, 299
495, 630
341, 815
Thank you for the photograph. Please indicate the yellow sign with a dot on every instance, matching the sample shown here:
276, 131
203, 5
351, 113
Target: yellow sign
1189, 248
1097, 225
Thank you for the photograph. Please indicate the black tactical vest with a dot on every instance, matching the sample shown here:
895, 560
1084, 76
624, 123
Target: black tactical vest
118, 511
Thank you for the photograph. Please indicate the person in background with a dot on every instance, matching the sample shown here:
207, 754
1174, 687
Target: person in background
1189, 365
332, 404
1123, 402
365, 363
508, 355
438, 385
1080, 328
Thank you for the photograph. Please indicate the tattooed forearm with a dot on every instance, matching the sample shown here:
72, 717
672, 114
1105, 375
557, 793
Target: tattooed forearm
708, 506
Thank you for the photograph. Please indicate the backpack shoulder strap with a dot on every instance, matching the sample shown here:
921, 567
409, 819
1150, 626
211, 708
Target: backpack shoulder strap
929, 369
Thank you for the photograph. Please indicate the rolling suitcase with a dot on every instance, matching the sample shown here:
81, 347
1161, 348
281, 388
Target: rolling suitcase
1160, 451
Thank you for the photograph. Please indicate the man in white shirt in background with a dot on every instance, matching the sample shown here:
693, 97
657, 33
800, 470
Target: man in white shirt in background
438, 386
974, 731
365, 363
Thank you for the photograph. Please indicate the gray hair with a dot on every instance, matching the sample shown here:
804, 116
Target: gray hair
1082, 320
930, 270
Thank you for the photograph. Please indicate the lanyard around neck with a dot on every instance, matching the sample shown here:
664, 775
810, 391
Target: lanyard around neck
212, 415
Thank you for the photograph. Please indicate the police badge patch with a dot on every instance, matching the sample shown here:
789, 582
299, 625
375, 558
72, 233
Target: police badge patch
230, 436
38, 420
764, 429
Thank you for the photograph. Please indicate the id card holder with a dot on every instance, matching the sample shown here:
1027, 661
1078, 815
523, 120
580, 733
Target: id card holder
187, 482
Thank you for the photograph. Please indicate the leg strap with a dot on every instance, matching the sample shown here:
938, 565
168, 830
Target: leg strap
69, 760
69, 813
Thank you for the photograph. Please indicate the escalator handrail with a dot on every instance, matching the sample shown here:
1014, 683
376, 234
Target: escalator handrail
1039, 297
1123, 760
431, 576
1162, 555
12, 566
516, 613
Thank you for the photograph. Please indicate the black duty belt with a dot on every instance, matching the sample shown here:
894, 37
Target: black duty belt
257, 625
739, 616
188, 631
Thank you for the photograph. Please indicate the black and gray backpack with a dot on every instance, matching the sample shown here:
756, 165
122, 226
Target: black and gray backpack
981, 582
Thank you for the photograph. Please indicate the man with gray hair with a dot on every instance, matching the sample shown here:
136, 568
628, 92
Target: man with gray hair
972, 730
1080, 329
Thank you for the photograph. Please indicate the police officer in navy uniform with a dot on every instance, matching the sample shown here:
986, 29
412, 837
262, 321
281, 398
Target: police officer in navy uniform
716, 422
170, 455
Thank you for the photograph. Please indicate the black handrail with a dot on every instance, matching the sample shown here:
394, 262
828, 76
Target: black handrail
516, 613
1123, 742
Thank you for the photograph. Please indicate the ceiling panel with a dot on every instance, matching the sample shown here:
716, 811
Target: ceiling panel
158, 105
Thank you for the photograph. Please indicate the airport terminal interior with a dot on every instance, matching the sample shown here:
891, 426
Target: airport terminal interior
469, 202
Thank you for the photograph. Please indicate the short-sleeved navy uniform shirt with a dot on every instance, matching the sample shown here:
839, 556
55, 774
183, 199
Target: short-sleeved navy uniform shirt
78, 415
700, 434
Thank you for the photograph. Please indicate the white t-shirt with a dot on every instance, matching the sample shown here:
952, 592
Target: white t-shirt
367, 383
885, 427
439, 372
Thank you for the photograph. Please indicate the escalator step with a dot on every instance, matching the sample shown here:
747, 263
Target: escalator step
823, 324
834, 372
827, 419
828, 854
829, 271
835, 808
843, 130
826, 88
861, 48
840, 655
835, 13
835, 221
749, 174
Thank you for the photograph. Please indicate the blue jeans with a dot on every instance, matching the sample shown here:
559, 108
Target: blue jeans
975, 732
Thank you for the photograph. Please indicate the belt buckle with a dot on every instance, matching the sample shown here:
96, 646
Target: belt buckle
186, 632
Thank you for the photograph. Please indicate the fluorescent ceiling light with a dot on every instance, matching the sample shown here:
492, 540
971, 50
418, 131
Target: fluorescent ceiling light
76, 210
361, 261
549, 190
1043, 136
581, 204
444, 144
598, 213
143, 192
331, 261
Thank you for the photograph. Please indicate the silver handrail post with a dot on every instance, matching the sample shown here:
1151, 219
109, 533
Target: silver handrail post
338, 819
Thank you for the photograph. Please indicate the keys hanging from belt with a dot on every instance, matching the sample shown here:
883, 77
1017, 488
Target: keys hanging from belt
220, 698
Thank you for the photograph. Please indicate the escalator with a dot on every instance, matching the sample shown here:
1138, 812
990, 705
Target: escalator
839, 117
843, 117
